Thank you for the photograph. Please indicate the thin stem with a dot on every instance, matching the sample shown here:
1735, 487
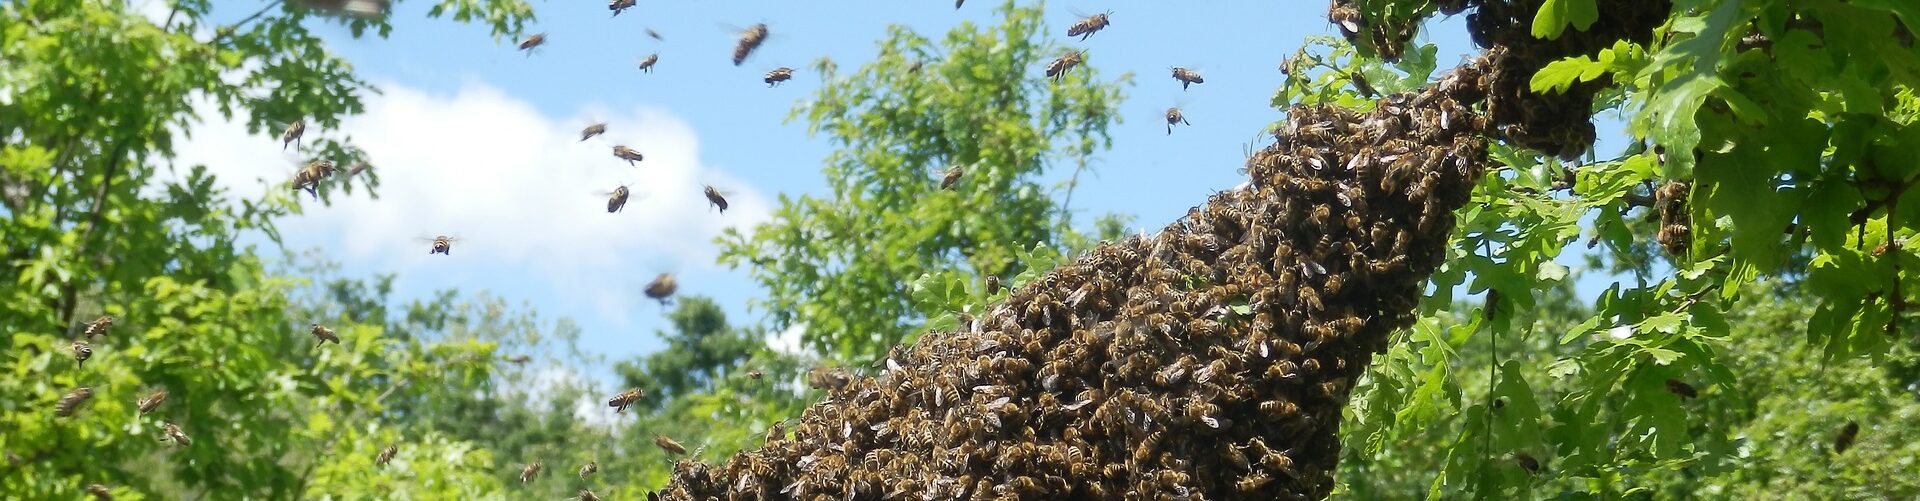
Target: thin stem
228, 30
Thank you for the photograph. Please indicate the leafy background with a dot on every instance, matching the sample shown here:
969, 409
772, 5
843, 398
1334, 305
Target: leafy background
1785, 307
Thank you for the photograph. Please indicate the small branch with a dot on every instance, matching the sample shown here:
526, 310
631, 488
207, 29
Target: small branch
228, 30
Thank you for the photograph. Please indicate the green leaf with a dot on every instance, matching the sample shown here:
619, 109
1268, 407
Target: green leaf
1556, 15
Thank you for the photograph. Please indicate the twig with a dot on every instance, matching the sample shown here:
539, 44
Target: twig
228, 30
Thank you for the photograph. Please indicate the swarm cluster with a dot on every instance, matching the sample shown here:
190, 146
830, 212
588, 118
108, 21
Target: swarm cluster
1212, 357
1555, 124
1676, 222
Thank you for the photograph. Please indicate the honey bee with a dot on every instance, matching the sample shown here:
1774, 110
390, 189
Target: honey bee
617, 199
152, 401
99, 326
1681, 388
588, 495
956, 4
442, 244
1360, 85
521, 359
1279, 409
714, 197
386, 455
72, 401
629, 154
292, 134
1527, 462
662, 287
1059, 67
1253, 481
82, 351
1346, 16
323, 334
1174, 116
1089, 25
749, 40
1187, 77
777, 431
100, 492
952, 177
778, 75
993, 284
175, 435
654, 34
308, 178
531, 470
667, 444
625, 399
532, 41
589, 469
827, 378
597, 128
646, 64
1844, 440
755, 374
618, 6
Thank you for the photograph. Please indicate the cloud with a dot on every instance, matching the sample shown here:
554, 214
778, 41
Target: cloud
517, 187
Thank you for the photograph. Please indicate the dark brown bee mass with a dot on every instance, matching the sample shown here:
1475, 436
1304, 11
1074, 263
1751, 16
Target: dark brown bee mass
1676, 222
1126, 372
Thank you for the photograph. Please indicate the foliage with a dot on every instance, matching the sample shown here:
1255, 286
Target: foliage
98, 221
1794, 143
838, 265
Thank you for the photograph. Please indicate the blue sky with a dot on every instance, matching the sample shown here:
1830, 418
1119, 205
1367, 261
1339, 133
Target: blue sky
460, 105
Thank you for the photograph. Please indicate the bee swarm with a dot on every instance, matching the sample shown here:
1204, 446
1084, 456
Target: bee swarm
1212, 359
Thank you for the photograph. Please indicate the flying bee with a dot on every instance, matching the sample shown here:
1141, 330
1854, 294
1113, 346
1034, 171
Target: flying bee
755, 374
589, 469
597, 128
952, 177
625, 399
778, 75
1174, 116
1527, 462
82, 351
662, 287
531, 470
1089, 25
442, 244
72, 401
629, 154
646, 64
1059, 67
521, 359
956, 4
308, 177
617, 199
152, 401
749, 40
827, 378
714, 197
1681, 388
588, 495
534, 40
667, 444
617, 6
99, 326
654, 34
175, 435
386, 455
1844, 440
292, 134
100, 492
1187, 77
322, 333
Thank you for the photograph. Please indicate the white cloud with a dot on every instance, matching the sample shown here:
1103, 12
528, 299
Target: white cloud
788, 341
517, 187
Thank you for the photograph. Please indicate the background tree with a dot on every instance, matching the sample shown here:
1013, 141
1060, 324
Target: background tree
842, 266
